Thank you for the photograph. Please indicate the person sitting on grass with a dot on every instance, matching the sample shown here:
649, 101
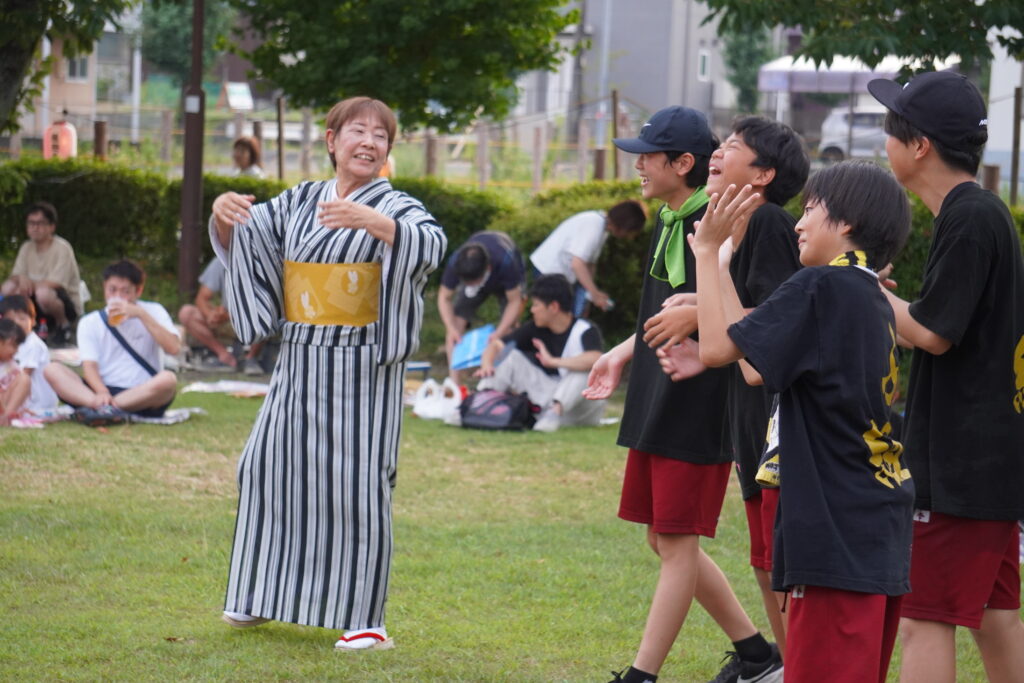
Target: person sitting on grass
14, 384
548, 358
210, 324
825, 340
32, 356
120, 349
46, 271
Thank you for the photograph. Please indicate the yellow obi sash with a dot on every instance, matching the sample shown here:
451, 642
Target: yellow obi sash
332, 293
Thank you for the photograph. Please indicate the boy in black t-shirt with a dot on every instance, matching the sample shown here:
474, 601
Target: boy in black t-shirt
547, 358
770, 157
964, 427
678, 465
825, 340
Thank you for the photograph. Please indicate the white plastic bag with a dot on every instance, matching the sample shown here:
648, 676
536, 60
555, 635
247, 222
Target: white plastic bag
435, 401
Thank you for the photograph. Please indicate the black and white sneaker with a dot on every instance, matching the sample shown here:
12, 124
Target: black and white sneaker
737, 670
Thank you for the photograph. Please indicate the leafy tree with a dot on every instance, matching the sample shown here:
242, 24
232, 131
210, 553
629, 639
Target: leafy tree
870, 30
167, 34
439, 63
744, 54
23, 23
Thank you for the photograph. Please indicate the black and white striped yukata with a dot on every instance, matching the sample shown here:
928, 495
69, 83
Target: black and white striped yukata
313, 537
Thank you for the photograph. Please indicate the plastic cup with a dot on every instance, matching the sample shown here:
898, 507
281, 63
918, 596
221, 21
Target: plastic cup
115, 319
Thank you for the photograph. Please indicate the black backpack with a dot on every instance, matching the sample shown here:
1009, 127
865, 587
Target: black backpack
489, 409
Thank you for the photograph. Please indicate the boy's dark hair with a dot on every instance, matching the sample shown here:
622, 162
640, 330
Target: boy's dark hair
870, 201
471, 262
628, 216
126, 269
17, 302
45, 208
967, 158
554, 287
698, 175
11, 330
779, 147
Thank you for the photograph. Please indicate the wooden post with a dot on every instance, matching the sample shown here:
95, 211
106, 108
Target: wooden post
615, 134
1015, 152
280, 138
990, 177
307, 135
166, 134
483, 162
99, 141
600, 153
431, 153
538, 158
257, 132
582, 143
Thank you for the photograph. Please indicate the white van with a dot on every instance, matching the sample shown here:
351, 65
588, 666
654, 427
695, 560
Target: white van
866, 133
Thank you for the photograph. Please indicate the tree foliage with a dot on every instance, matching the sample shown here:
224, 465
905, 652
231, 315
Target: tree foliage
440, 63
930, 30
22, 26
744, 54
167, 34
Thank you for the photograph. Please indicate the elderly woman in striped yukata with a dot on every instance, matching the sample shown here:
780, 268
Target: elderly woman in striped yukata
338, 267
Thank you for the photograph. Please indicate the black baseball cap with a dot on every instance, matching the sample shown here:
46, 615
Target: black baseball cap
942, 104
673, 129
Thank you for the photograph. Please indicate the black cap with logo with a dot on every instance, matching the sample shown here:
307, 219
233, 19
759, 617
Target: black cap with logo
673, 129
942, 104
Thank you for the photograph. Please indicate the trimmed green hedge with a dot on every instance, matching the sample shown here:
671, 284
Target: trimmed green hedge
109, 211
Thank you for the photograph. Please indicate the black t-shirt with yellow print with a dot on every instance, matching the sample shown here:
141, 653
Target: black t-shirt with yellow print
825, 341
964, 430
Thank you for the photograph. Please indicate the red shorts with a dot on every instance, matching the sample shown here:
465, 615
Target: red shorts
673, 496
761, 524
839, 636
959, 567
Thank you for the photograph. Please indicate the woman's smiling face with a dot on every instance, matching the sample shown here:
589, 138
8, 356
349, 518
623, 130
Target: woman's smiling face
360, 147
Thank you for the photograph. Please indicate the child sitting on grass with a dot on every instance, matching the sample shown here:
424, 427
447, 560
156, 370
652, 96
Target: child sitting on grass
14, 384
32, 356
825, 341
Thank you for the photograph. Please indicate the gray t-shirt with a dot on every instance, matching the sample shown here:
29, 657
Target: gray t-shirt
213, 276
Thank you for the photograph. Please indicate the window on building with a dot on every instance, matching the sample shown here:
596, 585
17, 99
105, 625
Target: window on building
78, 68
704, 65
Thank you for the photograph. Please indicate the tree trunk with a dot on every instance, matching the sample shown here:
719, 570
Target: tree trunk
25, 22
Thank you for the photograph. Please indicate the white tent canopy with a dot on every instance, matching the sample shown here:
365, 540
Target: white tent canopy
844, 75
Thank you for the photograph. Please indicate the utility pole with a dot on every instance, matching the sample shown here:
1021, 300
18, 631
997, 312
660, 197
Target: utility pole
192, 172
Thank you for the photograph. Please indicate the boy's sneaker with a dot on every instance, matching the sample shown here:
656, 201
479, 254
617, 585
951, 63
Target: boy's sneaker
251, 367
100, 417
737, 670
549, 421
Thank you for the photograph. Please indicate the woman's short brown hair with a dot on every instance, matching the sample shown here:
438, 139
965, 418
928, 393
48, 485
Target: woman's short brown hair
253, 145
350, 108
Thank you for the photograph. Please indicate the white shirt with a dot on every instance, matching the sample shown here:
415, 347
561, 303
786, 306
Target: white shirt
581, 235
33, 355
117, 367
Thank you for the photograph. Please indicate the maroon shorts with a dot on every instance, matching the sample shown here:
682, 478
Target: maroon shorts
673, 496
761, 522
839, 636
959, 567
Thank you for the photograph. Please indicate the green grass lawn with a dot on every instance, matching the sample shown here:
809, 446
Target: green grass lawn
510, 562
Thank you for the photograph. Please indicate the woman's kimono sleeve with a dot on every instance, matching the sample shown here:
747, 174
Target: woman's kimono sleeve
418, 249
253, 289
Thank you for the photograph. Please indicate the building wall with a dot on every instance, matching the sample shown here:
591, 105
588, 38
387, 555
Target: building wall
76, 95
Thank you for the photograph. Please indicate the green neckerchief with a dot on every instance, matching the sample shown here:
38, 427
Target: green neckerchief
669, 263
852, 258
